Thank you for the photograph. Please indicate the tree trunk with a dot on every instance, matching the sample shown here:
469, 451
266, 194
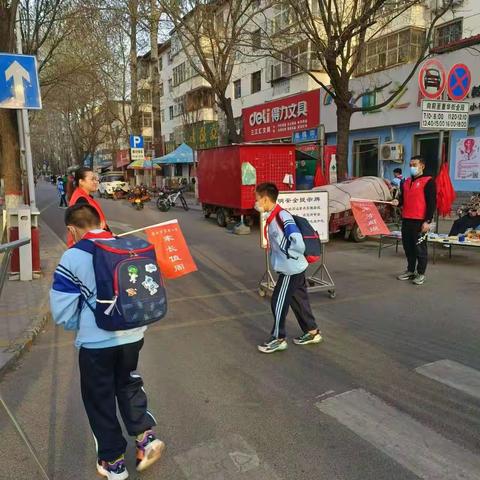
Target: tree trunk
231, 135
135, 117
9, 143
344, 114
157, 143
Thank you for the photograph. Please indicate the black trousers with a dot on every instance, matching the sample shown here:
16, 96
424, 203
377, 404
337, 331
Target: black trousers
291, 291
463, 224
417, 255
63, 200
107, 376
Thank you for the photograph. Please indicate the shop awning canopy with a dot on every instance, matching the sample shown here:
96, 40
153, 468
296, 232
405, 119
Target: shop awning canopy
182, 154
141, 164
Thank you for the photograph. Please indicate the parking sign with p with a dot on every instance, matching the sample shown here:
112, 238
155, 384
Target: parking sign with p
136, 141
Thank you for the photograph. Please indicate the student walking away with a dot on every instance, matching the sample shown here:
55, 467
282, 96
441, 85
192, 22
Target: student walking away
397, 179
61, 193
108, 356
418, 199
87, 184
287, 248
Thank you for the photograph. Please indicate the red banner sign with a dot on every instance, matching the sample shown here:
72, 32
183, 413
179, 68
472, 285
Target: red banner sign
171, 249
280, 118
368, 218
122, 159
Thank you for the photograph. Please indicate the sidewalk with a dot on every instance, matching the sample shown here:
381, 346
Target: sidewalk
24, 308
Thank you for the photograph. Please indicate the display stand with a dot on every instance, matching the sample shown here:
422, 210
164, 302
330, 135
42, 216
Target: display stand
299, 203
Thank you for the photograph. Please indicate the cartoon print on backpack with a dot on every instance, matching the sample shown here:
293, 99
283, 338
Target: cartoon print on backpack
150, 285
131, 292
133, 273
150, 268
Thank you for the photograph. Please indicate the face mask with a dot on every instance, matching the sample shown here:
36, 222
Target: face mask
414, 171
259, 208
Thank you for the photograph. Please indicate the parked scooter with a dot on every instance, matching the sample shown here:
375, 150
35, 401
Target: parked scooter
121, 192
167, 199
139, 196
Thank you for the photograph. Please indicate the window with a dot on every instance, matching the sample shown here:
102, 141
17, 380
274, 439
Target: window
283, 17
365, 157
237, 88
146, 119
399, 47
170, 112
295, 60
148, 143
256, 40
179, 170
256, 81
144, 96
179, 74
170, 84
161, 90
449, 33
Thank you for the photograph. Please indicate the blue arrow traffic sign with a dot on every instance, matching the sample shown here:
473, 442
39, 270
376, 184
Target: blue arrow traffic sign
19, 85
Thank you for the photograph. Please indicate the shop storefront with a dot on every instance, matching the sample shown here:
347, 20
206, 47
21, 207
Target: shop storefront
385, 139
290, 119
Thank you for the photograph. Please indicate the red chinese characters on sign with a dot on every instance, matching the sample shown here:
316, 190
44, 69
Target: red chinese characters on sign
368, 218
171, 249
280, 118
122, 158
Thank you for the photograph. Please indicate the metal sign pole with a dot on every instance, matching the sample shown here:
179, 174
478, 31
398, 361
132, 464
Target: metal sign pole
24, 126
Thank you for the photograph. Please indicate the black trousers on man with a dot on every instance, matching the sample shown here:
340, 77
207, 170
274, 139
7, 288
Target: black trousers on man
107, 376
416, 253
462, 224
291, 291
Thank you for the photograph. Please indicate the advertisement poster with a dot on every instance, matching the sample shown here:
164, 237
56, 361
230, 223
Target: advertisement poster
467, 161
282, 118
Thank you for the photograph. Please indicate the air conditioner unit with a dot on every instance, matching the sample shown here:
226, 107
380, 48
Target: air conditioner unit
391, 152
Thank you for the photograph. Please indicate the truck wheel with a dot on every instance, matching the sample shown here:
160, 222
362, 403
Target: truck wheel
357, 235
222, 217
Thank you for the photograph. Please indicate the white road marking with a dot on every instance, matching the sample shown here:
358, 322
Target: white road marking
418, 448
229, 458
453, 374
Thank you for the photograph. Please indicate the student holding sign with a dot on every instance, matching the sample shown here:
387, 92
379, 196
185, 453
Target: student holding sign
418, 199
287, 256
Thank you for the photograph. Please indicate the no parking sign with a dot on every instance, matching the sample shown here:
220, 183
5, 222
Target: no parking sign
459, 82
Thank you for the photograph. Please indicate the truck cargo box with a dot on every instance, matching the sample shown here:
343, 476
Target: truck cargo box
220, 175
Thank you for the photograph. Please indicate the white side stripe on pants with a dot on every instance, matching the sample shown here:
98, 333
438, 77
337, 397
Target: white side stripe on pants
280, 303
418, 448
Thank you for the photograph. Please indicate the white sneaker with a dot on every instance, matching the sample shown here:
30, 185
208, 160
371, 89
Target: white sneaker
113, 470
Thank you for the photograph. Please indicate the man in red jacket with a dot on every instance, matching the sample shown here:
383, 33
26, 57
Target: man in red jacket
418, 199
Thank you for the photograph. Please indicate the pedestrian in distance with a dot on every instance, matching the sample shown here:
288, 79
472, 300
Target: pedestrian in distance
418, 202
397, 179
61, 193
87, 184
286, 248
107, 359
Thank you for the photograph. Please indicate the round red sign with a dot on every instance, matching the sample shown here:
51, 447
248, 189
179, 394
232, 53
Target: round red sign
432, 79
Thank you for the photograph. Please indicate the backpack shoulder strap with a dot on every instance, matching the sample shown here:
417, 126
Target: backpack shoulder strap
85, 245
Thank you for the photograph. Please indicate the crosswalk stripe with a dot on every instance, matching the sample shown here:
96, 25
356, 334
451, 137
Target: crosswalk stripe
453, 374
418, 448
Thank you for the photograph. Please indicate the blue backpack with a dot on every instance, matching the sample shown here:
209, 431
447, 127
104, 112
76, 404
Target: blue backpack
130, 289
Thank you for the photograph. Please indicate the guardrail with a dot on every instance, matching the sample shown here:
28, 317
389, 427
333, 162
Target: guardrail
7, 249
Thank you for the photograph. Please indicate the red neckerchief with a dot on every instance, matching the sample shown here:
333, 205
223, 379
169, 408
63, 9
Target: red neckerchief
97, 235
271, 217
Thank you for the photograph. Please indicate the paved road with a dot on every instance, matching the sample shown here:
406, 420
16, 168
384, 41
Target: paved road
393, 393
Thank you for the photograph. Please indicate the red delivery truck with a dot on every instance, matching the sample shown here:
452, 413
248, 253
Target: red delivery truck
227, 176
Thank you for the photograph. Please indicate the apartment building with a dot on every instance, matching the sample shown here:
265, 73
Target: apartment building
386, 60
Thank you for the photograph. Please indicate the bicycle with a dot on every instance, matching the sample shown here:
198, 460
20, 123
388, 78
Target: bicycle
167, 200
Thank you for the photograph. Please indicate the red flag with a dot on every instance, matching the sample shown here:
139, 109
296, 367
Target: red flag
368, 218
171, 249
445, 193
319, 178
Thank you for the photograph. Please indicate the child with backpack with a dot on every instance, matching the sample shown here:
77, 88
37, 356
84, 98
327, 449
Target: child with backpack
108, 289
287, 248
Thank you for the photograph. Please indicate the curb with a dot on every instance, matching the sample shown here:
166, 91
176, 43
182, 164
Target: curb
20, 345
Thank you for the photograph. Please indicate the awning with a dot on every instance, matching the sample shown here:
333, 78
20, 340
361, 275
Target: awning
182, 154
142, 164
